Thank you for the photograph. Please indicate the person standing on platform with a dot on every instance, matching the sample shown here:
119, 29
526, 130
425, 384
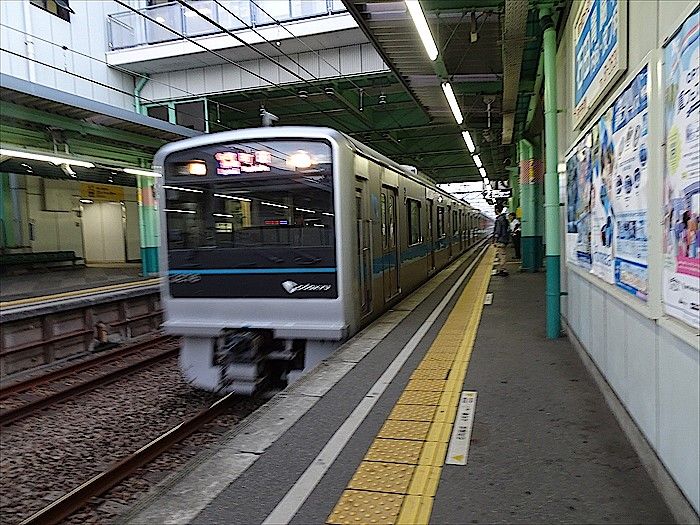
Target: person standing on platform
515, 233
501, 236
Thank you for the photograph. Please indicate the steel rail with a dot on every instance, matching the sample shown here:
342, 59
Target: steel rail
15, 414
98, 360
99, 484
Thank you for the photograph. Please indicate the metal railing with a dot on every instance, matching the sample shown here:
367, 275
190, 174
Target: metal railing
129, 29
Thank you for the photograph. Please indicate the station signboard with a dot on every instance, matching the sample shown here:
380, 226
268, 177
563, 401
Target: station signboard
101, 192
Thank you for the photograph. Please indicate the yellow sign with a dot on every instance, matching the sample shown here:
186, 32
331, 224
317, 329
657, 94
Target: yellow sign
101, 192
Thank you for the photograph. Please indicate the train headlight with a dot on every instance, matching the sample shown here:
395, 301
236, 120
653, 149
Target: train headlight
197, 167
300, 159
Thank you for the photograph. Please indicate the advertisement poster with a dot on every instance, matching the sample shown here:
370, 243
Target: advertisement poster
681, 80
578, 211
602, 207
600, 51
628, 155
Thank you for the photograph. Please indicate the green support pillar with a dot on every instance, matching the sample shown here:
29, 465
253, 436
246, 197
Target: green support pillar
530, 179
551, 180
148, 225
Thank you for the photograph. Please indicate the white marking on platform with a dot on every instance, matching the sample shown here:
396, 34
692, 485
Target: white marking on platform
488, 299
290, 504
462, 432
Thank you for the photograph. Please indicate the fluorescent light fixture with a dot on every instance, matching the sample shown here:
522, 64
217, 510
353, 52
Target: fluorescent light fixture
468, 141
421, 24
19, 154
273, 204
487, 181
305, 210
178, 188
86, 201
225, 215
231, 197
179, 211
328, 214
143, 173
452, 101
483, 172
477, 161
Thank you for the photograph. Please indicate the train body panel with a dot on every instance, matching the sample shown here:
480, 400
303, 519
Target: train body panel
280, 237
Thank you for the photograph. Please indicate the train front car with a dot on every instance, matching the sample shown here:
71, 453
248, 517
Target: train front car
254, 286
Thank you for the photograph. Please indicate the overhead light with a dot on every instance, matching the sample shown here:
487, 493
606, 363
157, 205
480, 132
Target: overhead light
179, 211
65, 167
468, 141
143, 173
197, 167
477, 161
19, 154
86, 201
329, 91
421, 24
303, 93
483, 172
487, 181
305, 210
178, 188
224, 215
233, 197
273, 204
326, 213
450, 95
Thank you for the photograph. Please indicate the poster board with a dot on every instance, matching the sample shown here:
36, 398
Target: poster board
681, 194
607, 191
599, 52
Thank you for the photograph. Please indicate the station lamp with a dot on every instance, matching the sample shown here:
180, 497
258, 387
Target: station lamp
58, 161
421, 24
452, 101
468, 141
144, 173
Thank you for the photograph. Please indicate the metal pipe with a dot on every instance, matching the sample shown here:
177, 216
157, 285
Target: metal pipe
140, 83
551, 180
535, 95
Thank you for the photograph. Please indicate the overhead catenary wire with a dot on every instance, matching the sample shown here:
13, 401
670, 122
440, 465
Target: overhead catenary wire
226, 59
118, 68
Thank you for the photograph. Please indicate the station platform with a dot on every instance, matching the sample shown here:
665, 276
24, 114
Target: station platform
445, 410
42, 283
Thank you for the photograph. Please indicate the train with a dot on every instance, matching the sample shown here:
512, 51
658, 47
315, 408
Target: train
282, 242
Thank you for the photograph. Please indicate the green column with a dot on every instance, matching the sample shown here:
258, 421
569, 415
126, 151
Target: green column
514, 183
6, 234
531, 241
551, 180
148, 225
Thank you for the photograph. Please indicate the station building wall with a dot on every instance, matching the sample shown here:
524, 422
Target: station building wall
54, 219
650, 361
83, 37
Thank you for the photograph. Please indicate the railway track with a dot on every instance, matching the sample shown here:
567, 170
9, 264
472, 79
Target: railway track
102, 482
28, 397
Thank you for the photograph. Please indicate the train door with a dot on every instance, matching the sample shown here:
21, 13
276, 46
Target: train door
431, 237
364, 251
390, 259
450, 231
461, 231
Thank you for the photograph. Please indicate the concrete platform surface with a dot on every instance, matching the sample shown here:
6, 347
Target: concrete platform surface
40, 283
545, 447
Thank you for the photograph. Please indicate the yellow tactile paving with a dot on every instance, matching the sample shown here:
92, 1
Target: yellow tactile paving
413, 412
382, 477
429, 385
398, 478
416, 430
357, 506
395, 451
419, 397
435, 373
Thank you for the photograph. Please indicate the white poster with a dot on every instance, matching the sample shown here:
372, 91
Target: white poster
578, 200
681, 80
629, 155
600, 51
603, 195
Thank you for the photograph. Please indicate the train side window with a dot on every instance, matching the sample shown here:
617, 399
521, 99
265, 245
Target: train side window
455, 226
440, 222
415, 234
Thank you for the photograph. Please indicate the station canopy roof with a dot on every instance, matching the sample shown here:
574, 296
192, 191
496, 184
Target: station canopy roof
488, 51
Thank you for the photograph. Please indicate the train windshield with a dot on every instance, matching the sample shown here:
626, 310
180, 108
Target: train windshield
263, 207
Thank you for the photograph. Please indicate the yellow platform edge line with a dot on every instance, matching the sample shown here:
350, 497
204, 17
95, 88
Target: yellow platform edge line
417, 503
79, 293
